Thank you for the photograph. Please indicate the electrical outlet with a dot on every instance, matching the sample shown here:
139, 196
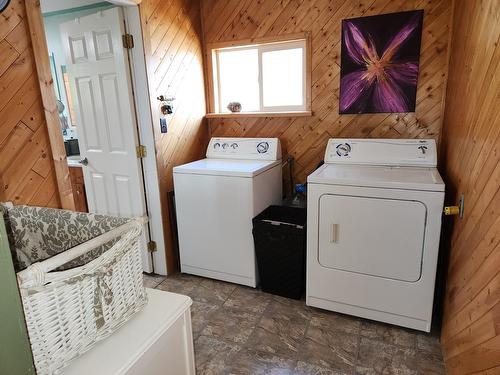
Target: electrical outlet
163, 125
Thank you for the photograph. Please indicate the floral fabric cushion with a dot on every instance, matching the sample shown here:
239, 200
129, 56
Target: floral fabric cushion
38, 233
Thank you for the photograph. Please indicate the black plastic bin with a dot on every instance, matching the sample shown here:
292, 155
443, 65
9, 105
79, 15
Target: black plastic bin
279, 234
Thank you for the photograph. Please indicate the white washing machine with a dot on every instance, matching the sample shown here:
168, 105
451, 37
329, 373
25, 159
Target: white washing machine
373, 227
217, 198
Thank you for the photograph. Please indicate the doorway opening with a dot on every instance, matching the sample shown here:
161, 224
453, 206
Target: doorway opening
103, 111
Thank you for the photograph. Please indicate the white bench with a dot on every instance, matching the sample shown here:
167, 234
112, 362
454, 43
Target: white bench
157, 340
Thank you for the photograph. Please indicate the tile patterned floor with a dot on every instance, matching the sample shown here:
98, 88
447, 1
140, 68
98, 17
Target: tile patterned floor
240, 330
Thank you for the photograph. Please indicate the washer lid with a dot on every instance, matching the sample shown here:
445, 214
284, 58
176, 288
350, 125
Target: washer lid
409, 178
226, 167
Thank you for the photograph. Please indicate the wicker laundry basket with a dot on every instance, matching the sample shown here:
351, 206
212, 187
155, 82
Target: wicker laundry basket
80, 277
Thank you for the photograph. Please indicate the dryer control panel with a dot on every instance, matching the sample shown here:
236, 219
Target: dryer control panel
393, 152
244, 148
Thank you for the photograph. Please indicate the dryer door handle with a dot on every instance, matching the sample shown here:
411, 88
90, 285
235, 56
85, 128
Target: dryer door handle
334, 229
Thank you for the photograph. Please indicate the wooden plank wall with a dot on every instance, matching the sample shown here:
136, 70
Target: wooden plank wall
26, 168
470, 162
305, 137
173, 40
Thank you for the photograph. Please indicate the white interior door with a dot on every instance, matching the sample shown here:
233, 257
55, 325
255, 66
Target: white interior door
98, 69
372, 236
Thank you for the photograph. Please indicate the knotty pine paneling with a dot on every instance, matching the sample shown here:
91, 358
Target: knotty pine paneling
26, 168
470, 164
173, 47
305, 137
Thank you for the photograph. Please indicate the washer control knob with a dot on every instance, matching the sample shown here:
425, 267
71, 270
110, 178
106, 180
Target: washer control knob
262, 147
343, 149
216, 145
234, 146
225, 145
423, 149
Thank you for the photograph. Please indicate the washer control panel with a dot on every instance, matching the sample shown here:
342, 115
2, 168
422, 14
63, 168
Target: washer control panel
244, 148
394, 152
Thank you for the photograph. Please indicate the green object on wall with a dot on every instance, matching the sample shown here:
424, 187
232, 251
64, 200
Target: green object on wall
15, 349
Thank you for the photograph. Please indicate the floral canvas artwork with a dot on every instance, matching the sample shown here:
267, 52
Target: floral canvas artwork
379, 63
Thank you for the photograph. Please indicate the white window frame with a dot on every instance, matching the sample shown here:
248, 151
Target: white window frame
295, 41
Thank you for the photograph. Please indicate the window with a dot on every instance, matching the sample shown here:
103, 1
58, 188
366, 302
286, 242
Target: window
270, 77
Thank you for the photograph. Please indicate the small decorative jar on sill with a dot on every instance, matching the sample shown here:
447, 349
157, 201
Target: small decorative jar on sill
234, 107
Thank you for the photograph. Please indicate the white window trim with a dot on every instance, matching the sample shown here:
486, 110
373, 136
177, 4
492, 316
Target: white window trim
301, 40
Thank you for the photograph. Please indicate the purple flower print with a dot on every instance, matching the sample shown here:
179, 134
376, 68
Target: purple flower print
380, 81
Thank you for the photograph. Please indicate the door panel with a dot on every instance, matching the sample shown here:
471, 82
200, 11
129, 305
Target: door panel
109, 88
99, 75
87, 125
99, 197
124, 189
373, 236
78, 49
103, 44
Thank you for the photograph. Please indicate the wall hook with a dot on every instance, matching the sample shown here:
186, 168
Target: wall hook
456, 210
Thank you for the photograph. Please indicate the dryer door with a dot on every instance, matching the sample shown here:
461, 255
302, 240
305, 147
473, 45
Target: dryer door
372, 236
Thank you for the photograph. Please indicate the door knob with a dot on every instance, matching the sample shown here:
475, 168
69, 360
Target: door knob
84, 161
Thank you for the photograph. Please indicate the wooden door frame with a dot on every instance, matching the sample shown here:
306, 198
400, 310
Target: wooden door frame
46, 82
145, 122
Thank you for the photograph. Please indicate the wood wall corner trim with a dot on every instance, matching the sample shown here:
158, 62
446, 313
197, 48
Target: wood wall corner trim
445, 90
39, 44
206, 61
471, 320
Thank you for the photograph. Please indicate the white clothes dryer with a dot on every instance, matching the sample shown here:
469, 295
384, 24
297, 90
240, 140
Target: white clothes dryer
373, 228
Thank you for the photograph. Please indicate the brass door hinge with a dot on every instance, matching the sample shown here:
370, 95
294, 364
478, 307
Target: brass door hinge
141, 151
128, 41
152, 246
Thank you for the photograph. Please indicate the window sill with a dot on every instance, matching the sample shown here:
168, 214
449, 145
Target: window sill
259, 114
